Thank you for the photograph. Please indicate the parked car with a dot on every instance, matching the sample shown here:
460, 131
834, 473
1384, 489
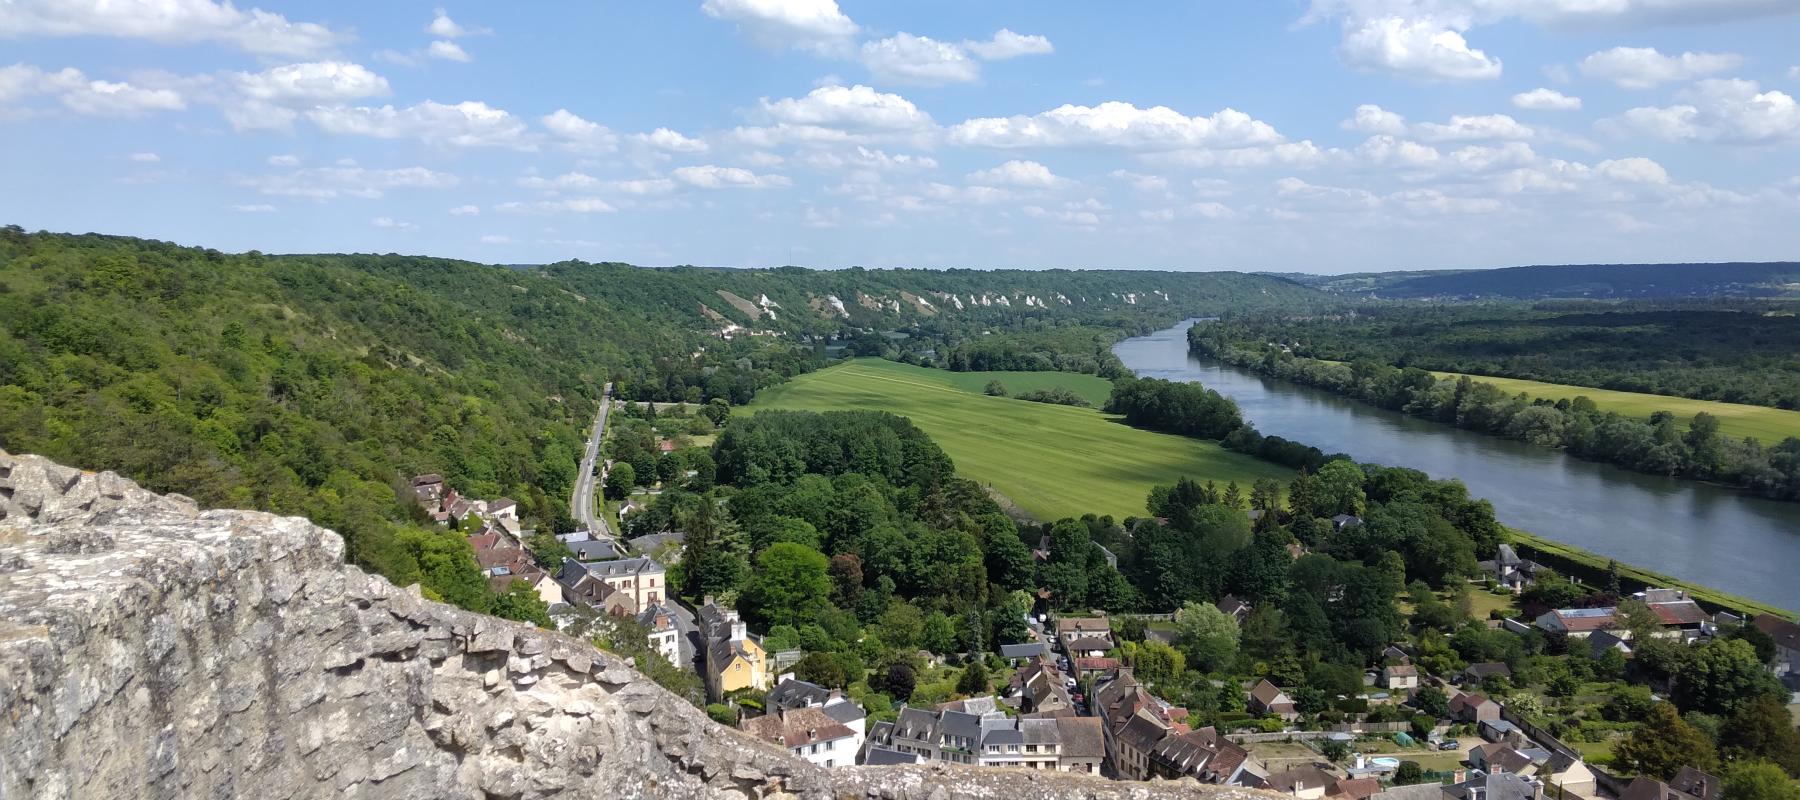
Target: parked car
1449, 744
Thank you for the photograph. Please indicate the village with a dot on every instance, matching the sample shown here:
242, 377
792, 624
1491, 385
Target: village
1421, 728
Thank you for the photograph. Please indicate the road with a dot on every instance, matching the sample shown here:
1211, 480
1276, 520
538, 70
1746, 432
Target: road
581, 505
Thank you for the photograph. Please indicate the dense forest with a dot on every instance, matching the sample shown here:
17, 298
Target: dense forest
1772, 279
1655, 445
1735, 353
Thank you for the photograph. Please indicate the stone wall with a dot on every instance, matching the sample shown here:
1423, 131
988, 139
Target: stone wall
151, 649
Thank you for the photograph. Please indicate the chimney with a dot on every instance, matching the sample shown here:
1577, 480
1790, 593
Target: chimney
709, 600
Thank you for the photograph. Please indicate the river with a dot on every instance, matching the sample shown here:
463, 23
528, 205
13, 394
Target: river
1702, 533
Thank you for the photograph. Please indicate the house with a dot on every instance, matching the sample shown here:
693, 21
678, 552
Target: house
975, 732
1267, 698
665, 635
504, 507
1400, 678
1476, 673
1698, 784
1235, 608
884, 757
1566, 771
1471, 707
1678, 613
1087, 647
1599, 642
1307, 783
1083, 744
641, 578
1787, 641
1068, 629
1496, 786
664, 547
1203, 755
794, 694
1040, 689
590, 550
1016, 654
1499, 730
734, 659
807, 732
1133, 744
583, 588
428, 489
1343, 521
1503, 757
1509, 570
1095, 666
1119, 702
1353, 789
1577, 623
1652, 789
1394, 655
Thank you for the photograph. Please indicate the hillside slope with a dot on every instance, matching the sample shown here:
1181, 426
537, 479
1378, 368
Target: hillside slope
1772, 279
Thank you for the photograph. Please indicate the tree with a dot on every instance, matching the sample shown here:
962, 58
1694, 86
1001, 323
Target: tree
1664, 744
1334, 750
521, 602
790, 584
995, 388
717, 411
822, 669
1763, 729
1409, 773
1758, 780
1432, 701
1636, 618
898, 681
973, 681
546, 550
620, 480
1341, 485
1207, 636
1723, 676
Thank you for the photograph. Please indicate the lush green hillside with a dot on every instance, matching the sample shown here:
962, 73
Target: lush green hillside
1053, 461
1735, 420
1607, 280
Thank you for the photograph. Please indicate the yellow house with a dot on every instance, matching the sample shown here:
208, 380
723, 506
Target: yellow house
734, 659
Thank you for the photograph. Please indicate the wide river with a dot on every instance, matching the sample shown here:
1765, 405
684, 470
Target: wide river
1702, 533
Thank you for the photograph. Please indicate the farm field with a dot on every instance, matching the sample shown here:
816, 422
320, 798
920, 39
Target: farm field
1769, 425
1053, 461
1093, 389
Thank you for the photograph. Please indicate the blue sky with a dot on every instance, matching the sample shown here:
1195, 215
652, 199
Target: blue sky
1310, 135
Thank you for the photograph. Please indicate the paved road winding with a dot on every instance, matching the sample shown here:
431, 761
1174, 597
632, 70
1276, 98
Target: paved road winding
581, 505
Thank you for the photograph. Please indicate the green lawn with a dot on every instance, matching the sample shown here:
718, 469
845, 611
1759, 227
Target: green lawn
1091, 388
1053, 461
1770, 425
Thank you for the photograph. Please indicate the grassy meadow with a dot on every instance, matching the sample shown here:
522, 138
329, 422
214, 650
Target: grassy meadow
1769, 425
1053, 461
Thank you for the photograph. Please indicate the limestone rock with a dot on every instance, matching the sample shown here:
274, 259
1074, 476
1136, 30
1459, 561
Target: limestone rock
149, 649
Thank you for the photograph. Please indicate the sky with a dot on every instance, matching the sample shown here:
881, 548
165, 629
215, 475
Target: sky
1324, 136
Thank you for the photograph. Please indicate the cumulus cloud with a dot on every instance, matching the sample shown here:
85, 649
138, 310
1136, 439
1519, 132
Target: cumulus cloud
815, 25
578, 134
270, 99
495, 238
465, 211
565, 181
444, 27
1472, 128
284, 160
1727, 111
1299, 194
145, 158
1140, 181
169, 22
1371, 118
865, 164
446, 50
670, 141
466, 124
1633, 170
325, 183
1423, 49
253, 208
1020, 174
1005, 44
1117, 124
570, 205
1645, 68
844, 110
82, 95
1546, 100
392, 224
919, 60
714, 177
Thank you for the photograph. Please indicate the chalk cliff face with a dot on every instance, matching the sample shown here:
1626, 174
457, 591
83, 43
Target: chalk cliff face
152, 649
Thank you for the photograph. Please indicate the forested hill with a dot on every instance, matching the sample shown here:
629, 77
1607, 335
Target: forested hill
1772, 279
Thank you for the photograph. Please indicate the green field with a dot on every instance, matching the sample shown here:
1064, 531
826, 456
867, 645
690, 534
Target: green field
1053, 461
1093, 389
1770, 425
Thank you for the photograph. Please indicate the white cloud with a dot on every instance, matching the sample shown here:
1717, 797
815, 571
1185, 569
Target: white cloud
1020, 174
84, 96
574, 205
466, 124
284, 160
1546, 100
961, 195
579, 134
918, 60
268, 100
1007, 44
713, 177
169, 22
1117, 124
850, 109
563, 182
392, 224
447, 50
1645, 68
867, 161
324, 183
495, 238
145, 158
1141, 182
1078, 218
670, 141
1728, 111
1435, 201
465, 211
253, 208
1387, 150
815, 25
1297, 154
643, 186
1372, 118
445, 27
1423, 49
1633, 170
1472, 128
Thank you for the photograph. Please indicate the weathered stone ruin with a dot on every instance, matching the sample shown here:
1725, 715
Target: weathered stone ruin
149, 649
